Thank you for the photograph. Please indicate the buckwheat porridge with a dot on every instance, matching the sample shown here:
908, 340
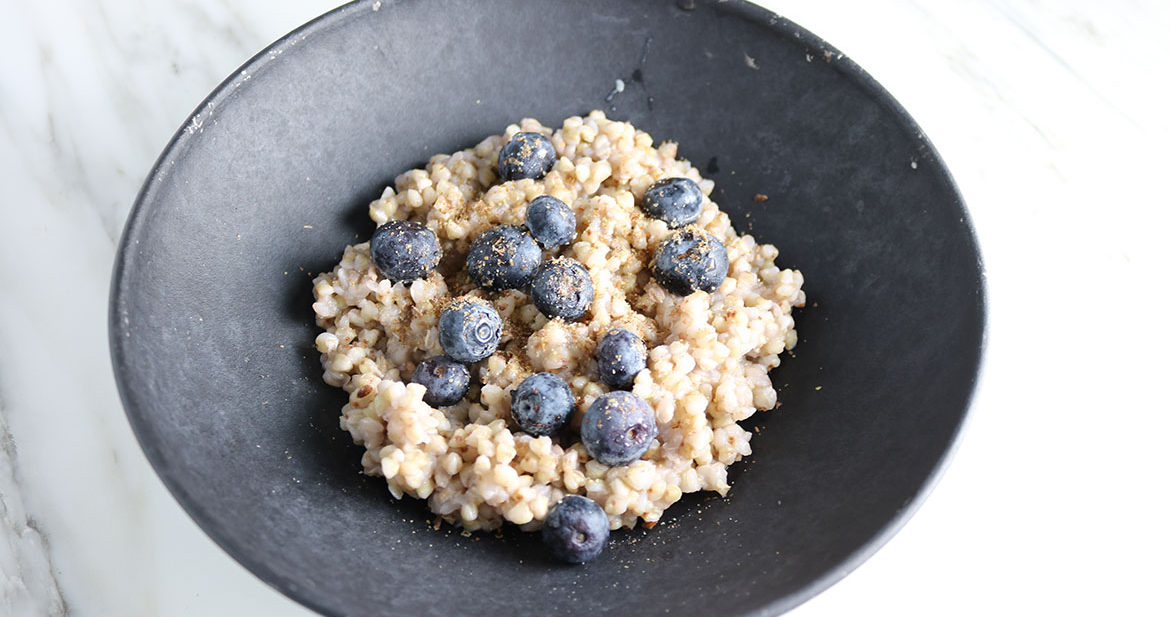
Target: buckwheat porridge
693, 315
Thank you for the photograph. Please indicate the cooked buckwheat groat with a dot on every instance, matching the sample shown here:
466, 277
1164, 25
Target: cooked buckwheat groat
710, 337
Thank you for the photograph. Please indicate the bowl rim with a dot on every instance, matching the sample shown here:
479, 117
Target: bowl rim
120, 327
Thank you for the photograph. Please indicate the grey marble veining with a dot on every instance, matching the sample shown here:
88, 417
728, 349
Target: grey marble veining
29, 585
90, 93
1051, 114
106, 83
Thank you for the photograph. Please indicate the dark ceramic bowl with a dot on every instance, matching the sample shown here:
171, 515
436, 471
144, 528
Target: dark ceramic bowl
212, 331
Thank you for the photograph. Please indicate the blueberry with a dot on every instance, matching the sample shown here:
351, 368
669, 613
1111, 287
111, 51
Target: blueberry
690, 260
503, 257
621, 355
469, 329
542, 404
550, 221
526, 155
576, 529
562, 288
617, 428
674, 200
404, 250
446, 380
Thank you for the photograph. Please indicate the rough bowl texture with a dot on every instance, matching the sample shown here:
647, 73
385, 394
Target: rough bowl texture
274, 173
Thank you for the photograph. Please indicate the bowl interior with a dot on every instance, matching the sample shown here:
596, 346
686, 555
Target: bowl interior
212, 330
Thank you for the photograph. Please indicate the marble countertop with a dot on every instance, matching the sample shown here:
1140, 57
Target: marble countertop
1050, 113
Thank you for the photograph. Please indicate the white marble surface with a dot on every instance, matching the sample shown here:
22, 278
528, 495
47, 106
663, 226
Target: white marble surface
1052, 115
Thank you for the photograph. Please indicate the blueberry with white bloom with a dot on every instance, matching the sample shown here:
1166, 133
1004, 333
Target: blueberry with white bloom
446, 380
550, 221
404, 250
503, 257
526, 155
542, 404
674, 200
618, 428
690, 260
562, 288
470, 329
620, 356
576, 529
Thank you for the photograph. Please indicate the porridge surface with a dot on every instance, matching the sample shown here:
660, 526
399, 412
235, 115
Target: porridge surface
709, 353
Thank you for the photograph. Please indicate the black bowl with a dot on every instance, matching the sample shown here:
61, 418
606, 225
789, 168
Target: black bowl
212, 331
